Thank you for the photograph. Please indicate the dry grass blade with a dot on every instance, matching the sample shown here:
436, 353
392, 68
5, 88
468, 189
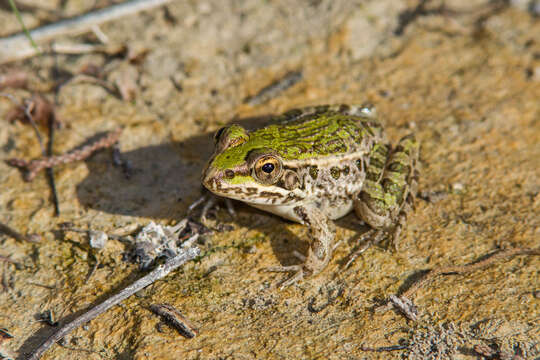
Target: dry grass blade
404, 303
16, 47
464, 269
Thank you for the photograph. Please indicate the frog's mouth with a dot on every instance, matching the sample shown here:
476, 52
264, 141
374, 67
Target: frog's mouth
244, 188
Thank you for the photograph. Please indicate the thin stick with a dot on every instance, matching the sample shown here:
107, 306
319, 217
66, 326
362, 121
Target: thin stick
4, 229
272, 90
176, 319
35, 166
16, 47
463, 269
404, 303
50, 171
158, 273
29, 106
9, 260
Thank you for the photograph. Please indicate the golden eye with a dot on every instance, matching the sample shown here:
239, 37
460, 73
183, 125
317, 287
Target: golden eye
267, 169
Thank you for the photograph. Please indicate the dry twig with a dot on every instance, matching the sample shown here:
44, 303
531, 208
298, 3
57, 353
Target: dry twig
33, 238
16, 47
175, 318
383, 348
31, 168
405, 305
156, 274
277, 87
34, 111
14, 79
464, 269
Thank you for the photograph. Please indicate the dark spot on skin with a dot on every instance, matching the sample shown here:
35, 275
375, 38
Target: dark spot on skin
376, 162
293, 197
300, 211
251, 191
398, 167
400, 148
335, 172
229, 174
269, 194
383, 150
345, 170
372, 176
313, 172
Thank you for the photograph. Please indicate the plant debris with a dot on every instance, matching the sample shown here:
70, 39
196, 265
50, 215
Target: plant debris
404, 303
174, 317
178, 257
33, 238
33, 167
274, 89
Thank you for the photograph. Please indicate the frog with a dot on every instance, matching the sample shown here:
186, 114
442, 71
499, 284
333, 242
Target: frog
314, 165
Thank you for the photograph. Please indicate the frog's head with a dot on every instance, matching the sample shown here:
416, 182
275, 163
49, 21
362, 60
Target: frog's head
248, 168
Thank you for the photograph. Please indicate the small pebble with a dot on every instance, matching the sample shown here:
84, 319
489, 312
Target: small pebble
98, 239
458, 187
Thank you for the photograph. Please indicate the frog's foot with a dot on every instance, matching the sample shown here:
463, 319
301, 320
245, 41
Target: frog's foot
299, 272
209, 200
369, 238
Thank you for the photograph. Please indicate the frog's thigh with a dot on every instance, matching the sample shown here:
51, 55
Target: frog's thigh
389, 190
322, 234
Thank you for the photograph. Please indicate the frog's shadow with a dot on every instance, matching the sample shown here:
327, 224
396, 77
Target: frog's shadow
165, 180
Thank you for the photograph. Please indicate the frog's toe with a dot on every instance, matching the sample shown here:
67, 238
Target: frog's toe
289, 268
230, 207
299, 275
209, 202
299, 256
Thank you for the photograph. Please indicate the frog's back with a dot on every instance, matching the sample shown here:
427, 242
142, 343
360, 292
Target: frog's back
315, 135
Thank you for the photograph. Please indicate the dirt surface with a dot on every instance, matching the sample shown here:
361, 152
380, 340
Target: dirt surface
463, 75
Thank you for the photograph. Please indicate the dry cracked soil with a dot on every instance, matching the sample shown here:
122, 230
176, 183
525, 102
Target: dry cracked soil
464, 76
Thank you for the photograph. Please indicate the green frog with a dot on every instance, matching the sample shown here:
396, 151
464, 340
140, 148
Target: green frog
315, 165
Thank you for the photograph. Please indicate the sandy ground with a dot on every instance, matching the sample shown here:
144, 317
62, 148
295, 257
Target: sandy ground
463, 75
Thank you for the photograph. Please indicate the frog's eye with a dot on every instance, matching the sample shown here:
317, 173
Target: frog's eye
267, 169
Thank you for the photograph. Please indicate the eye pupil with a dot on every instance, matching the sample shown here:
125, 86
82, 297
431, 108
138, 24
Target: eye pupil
268, 168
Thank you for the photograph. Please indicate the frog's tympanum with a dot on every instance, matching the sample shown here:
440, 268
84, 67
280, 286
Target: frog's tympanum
316, 165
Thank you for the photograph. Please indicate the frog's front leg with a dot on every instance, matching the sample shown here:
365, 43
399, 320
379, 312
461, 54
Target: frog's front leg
321, 233
208, 201
389, 189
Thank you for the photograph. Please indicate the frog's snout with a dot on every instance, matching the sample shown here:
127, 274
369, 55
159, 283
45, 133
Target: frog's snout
211, 179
